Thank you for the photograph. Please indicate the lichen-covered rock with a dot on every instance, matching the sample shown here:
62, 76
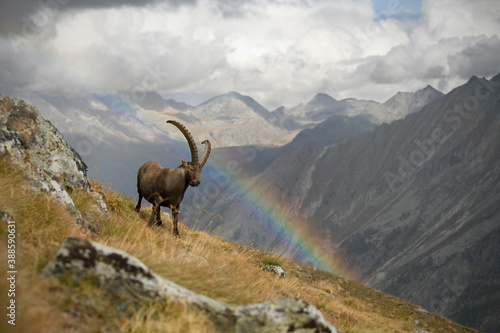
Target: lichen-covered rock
121, 273
278, 270
37, 146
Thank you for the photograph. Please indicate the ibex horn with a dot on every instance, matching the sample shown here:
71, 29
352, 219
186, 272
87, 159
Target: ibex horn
189, 138
206, 153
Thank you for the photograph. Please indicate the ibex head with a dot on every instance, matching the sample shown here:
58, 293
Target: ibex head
194, 167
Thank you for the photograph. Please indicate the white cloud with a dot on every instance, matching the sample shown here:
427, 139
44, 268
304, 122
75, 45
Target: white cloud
280, 52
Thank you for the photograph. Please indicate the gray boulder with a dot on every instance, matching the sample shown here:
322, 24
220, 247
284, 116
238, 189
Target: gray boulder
123, 274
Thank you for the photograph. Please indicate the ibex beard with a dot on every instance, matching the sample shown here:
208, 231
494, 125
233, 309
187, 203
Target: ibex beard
164, 187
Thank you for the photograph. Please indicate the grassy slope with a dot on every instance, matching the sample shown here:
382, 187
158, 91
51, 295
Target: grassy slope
232, 274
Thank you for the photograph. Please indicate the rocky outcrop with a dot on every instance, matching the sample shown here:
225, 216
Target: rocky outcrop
36, 145
120, 273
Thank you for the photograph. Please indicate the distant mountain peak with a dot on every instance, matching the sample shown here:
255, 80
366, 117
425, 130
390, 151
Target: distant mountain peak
430, 89
321, 99
234, 94
473, 79
404, 103
230, 95
154, 101
223, 107
496, 78
427, 91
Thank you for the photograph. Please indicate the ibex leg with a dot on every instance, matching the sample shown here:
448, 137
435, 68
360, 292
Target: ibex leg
158, 216
175, 216
155, 215
138, 206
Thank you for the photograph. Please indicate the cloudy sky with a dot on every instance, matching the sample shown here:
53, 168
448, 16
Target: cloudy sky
281, 52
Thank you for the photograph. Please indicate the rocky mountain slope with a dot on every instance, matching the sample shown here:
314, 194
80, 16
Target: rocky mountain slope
198, 283
413, 206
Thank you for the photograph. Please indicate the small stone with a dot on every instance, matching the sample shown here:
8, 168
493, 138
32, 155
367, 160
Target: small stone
278, 270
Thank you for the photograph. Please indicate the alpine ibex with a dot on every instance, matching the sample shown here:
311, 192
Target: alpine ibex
166, 187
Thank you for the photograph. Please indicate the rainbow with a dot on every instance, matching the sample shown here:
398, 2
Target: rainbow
293, 235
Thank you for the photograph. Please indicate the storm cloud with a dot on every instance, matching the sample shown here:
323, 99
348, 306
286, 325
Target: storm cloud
280, 52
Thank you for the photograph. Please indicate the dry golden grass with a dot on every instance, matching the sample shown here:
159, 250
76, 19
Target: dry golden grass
41, 225
226, 271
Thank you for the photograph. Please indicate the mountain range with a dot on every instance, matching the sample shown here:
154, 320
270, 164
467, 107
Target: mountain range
115, 133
